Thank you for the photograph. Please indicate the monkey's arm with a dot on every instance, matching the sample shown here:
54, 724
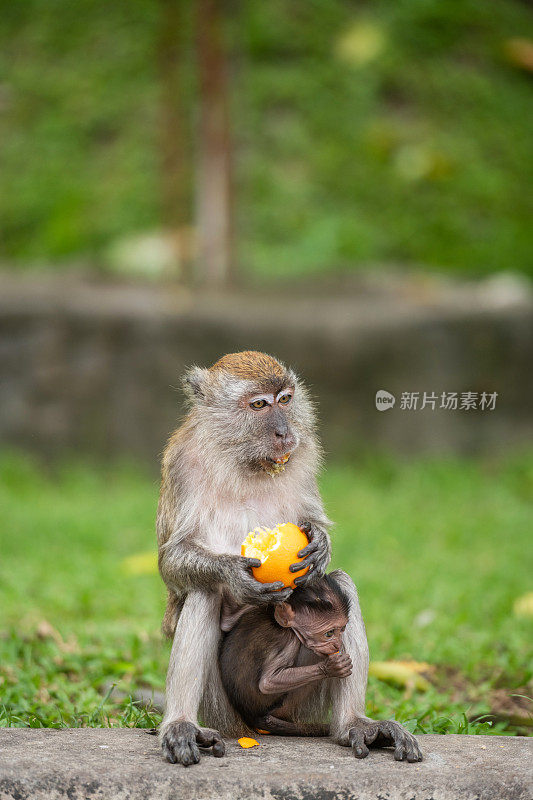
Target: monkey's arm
186, 565
287, 678
277, 678
317, 554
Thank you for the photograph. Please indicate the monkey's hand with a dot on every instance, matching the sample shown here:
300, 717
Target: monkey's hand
246, 589
316, 555
181, 742
339, 665
381, 733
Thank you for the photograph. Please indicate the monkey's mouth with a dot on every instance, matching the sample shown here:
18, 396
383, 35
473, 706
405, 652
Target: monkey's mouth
280, 460
275, 465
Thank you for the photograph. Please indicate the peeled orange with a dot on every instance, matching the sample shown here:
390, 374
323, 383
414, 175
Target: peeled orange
276, 548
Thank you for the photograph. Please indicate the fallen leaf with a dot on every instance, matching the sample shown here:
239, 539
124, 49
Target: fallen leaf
519, 52
140, 564
523, 606
46, 631
42, 696
360, 43
402, 673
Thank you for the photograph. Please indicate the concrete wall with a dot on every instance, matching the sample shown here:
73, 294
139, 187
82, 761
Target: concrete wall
94, 367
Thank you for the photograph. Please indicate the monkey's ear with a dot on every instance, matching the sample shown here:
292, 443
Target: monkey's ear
194, 382
284, 615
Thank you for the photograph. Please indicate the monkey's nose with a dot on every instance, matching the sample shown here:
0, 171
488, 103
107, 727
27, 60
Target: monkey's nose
284, 438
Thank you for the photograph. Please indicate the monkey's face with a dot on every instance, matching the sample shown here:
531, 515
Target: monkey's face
269, 419
320, 632
256, 423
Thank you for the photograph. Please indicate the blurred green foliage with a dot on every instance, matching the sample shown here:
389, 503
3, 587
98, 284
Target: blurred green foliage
438, 550
391, 132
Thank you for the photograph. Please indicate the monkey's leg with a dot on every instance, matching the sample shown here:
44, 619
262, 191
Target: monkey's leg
282, 727
349, 725
193, 652
299, 714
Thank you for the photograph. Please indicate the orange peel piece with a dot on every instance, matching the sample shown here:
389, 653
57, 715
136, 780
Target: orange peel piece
246, 742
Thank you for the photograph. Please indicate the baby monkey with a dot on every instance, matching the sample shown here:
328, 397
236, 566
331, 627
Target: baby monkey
272, 656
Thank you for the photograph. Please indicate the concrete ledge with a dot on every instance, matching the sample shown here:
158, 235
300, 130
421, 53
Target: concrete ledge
125, 763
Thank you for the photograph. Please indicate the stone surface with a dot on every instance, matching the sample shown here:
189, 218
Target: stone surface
93, 367
119, 763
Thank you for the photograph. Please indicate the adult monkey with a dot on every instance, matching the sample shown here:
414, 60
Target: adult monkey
246, 455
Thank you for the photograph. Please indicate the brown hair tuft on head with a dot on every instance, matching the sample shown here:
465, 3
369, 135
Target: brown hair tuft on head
250, 365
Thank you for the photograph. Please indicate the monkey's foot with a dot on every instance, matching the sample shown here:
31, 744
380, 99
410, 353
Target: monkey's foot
181, 742
381, 733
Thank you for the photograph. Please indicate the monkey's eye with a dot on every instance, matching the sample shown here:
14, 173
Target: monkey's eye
329, 634
258, 404
284, 399
343, 628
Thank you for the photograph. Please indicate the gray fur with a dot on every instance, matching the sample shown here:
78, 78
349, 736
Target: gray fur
348, 696
213, 492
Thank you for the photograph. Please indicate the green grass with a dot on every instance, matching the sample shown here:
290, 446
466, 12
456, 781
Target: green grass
438, 548
385, 132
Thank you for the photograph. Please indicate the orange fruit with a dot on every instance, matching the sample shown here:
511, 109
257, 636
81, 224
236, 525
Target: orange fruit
276, 548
